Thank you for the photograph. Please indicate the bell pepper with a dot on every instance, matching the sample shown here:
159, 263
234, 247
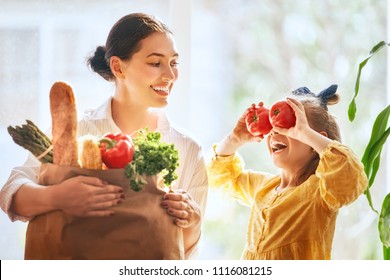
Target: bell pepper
117, 150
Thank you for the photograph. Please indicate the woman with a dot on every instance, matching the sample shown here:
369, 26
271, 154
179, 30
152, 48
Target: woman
140, 57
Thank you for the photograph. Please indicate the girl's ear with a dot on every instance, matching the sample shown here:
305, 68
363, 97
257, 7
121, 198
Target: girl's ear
116, 67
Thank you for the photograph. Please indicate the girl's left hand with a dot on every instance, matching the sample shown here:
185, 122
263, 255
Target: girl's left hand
182, 207
301, 124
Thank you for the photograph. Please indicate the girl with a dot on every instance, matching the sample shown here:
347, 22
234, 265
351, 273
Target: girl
140, 57
294, 213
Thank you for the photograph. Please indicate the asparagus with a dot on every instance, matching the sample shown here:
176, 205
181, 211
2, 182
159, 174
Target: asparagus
30, 137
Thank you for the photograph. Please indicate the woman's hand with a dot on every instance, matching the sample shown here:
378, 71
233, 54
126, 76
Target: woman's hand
180, 205
85, 196
186, 214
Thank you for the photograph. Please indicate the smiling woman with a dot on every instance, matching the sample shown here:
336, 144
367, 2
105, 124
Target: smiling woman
140, 57
150, 74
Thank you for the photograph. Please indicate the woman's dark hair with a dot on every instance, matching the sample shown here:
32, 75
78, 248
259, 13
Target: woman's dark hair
124, 40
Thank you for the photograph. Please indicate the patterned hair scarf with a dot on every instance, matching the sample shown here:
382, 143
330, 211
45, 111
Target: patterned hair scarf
323, 96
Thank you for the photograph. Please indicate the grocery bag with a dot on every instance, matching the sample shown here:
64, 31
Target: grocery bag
140, 229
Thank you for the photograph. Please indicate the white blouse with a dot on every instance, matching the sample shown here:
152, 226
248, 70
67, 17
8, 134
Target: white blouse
192, 174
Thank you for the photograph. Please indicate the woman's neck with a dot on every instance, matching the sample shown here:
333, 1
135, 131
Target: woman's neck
130, 117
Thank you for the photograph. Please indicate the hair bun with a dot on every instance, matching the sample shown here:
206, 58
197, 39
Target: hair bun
98, 63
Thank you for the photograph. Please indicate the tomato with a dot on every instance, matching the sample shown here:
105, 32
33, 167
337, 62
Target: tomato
282, 115
117, 150
257, 120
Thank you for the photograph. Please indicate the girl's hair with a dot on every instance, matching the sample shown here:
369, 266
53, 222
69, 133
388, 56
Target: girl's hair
316, 108
124, 40
319, 118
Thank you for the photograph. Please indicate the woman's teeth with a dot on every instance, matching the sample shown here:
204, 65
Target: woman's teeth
162, 89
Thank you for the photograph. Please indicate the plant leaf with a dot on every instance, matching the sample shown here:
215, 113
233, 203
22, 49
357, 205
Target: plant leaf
352, 105
386, 253
378, 129
367, 192
384, 222
374, 171
352, 109
371, 158
375, 152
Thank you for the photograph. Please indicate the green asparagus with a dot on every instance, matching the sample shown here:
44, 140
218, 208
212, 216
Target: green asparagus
30, 137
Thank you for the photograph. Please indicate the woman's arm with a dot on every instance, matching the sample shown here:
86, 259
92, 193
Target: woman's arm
79, 196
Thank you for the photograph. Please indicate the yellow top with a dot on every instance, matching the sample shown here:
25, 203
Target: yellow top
297, 222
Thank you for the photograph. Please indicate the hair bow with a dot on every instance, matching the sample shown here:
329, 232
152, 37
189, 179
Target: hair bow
323, 96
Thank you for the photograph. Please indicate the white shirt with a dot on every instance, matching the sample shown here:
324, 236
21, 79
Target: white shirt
192, 174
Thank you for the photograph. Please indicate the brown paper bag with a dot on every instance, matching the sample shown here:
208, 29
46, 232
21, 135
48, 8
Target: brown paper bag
139, 230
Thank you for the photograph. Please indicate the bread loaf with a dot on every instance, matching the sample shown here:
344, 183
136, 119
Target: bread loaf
64, 125
90, 156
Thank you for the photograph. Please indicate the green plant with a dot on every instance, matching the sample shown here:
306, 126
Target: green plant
372, 155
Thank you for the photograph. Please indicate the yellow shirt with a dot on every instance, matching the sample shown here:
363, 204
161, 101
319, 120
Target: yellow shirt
297, 222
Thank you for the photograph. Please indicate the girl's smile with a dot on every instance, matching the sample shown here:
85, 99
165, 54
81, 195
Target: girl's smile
288, 153
277, 146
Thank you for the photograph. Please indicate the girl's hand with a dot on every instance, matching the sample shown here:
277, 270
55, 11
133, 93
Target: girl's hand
238, 137
180, 205
301, 124
85, 196
302, 131
240, 132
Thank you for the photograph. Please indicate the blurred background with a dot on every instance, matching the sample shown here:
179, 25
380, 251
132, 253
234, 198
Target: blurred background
232, 53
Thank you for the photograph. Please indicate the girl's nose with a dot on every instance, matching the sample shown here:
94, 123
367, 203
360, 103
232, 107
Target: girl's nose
273, 132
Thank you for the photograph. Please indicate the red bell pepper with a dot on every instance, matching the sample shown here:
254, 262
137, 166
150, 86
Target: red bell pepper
117, 150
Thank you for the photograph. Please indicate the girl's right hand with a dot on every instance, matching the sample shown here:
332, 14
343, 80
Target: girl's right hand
241, 133
238, 137
85, 196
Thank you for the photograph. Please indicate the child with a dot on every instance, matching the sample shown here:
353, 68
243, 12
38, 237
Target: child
294, 213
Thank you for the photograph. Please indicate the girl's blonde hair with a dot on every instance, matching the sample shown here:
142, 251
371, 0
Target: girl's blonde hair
316, 108
320, 119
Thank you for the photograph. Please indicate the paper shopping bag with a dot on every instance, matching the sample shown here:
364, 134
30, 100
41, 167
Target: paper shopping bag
139, 230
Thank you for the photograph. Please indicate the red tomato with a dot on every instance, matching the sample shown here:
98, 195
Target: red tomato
282, 115
257, 120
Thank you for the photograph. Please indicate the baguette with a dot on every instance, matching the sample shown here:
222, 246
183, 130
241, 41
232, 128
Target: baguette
64, 125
